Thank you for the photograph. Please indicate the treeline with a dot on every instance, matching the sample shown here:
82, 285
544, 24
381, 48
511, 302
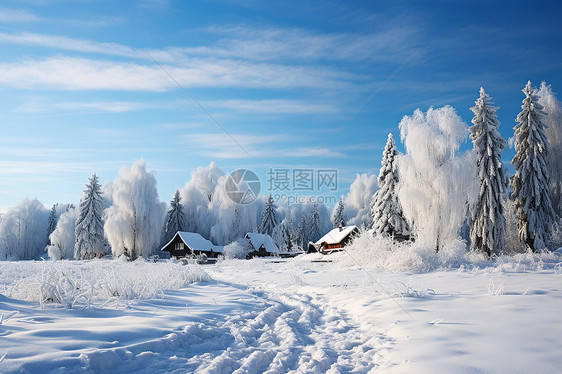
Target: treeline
126, 217
433, 194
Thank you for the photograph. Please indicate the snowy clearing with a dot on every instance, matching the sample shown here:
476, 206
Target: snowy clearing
294, 316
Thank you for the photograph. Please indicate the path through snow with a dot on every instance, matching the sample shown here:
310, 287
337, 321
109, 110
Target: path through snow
207, 327
283, 334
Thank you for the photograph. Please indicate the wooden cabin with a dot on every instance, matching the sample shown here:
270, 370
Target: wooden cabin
191, 244
334, 241
262, 245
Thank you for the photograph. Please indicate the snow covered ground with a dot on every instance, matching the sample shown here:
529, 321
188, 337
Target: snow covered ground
296, 315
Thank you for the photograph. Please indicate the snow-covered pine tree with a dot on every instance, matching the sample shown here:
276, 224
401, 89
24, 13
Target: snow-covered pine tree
386, 210
52, 222
90, 240
314, 228
487, 219
301, 234
269, 217
530, 182
338, 215
175, 219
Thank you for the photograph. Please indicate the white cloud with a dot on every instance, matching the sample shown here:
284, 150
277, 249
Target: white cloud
275, 106
244, 146
16, 16
40, 105
66, 73
71, 44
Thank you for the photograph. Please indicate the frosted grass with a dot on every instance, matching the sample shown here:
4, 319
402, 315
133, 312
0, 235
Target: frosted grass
74, 284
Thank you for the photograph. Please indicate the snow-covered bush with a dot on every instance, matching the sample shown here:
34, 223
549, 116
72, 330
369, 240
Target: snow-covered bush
377, 252
63, 238
238, 249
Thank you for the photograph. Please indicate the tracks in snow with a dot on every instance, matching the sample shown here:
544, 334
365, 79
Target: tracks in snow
284, 333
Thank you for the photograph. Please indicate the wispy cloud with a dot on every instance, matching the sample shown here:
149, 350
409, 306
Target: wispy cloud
16, 16
275, 106
278, 146
393, 41
68, 73
39, 105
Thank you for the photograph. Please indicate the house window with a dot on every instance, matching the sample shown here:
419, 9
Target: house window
179, 247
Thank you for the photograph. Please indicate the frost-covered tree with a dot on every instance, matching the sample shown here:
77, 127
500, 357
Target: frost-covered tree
487, 219
386, 210
531, 180
23, 231
282, 236
553, 121
89, 231
229, 219
434, 179
134, 221
175, 219
198, 197
314, 222
269, 217
63, 238
357, 203
338, 214
52, 221
301, 234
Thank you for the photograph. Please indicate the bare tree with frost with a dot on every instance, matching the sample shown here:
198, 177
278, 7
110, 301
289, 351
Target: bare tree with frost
530, 183
175, 219
386, 210
487, 219
134, 221
553, 121
89, 232
434, 178
23, 231
269, 217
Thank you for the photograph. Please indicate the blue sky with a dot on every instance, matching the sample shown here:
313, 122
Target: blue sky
91, 86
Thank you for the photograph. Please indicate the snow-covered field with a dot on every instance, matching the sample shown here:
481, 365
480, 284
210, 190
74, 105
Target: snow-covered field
294, 315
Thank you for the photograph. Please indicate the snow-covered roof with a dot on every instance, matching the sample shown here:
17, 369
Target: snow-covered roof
196, 242
257, 240
336, 235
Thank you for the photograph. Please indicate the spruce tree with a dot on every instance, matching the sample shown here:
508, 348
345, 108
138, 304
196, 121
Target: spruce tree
487, 220
530, 183
302, 234
314, 228
52, 222
269, 217
175, 219
338, 215
90, 240
386, 210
